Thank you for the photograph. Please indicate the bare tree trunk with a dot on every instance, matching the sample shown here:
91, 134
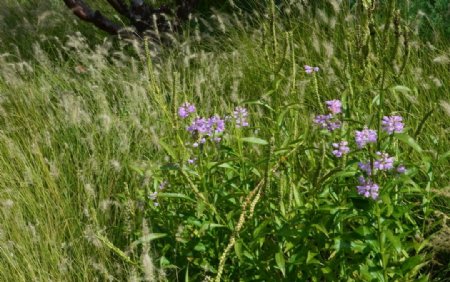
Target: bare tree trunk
139, 14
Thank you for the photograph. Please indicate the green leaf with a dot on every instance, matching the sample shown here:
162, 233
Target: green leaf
405, 138
150, 237
248, 255
326, 270
338, 175
137, 169
311, 258
401, 88
411, 263
164, 262
283, 113
238, 249
254, 140
394, 240
258, 230
186, 275
279, 259
226, 165
321, 229
358, 246
262, 103
200, 247
444, 156
175, 195
297, 200
167, 148
256, 172
170, 166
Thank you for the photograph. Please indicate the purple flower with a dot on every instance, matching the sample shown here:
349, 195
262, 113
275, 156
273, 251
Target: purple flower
367, 167
326, 122
192, 161
334, 106
365, 136
202, 128
185, 109
322, 119
341, 148
392, 124
309, 69
215, 125
199, 125
367, 188
385, 162
331, 126
401, 169
240, 116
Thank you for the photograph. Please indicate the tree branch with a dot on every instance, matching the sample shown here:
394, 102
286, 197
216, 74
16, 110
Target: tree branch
84, 12
120, 7
185, 8
141, 15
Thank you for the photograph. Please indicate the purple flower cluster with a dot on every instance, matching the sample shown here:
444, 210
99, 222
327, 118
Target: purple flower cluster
185, 110
309, 69
207, 126
367, 188
240, 116
199, 125
340, 148
384, 162
334, 106
211, 128
202, 128
401, 169
365, 136
366, 167
392, 124
327, 122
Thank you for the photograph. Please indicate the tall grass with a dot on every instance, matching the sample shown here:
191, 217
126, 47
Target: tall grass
89, 130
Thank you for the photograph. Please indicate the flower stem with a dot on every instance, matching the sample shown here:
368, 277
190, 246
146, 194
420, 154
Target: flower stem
316, 90
381, 241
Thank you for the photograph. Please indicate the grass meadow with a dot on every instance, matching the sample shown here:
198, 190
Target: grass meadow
213, 155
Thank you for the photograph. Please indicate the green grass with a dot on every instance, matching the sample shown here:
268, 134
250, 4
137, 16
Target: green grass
89, 128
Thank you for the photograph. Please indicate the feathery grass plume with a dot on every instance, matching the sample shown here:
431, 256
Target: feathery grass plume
64, 121
444, 192
442, 59
146, 261
445, 106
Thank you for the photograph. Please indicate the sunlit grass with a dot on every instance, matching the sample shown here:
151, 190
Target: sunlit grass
86, 126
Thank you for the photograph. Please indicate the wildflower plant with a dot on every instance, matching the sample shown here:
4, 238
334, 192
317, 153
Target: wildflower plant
353, 195
377, 190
